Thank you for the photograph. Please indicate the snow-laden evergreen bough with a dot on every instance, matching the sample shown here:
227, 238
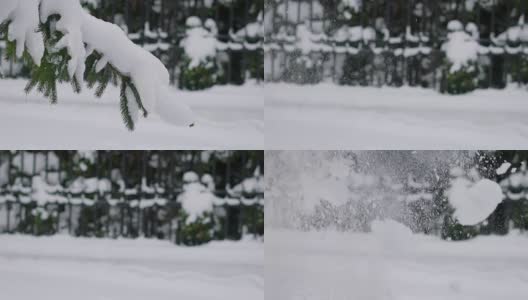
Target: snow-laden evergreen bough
63, 43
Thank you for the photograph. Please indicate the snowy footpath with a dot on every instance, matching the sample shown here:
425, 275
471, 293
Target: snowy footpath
82, 121
393, 264
330, 117
64, 268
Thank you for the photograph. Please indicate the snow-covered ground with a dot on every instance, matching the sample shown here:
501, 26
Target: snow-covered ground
63, 267
392, 264
328, 116
84, 121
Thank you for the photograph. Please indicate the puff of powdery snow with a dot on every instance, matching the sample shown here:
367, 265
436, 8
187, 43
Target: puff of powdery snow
199, 43
69, 24
390, 228
24, 26
503, 168
457, 172
473, 203
317, 186
195, 199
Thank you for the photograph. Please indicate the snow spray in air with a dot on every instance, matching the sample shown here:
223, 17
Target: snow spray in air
348, 190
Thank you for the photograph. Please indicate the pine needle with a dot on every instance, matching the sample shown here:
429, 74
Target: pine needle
76, 85
103, 83
30, 85
127, 119
138, 98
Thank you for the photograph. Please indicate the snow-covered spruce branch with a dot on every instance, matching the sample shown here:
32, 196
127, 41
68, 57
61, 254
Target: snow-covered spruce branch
87, 41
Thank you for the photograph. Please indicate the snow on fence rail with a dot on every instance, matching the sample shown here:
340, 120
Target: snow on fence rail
159, 26
85, 195
389, 42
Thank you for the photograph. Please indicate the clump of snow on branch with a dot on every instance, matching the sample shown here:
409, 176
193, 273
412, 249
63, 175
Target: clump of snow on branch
461, 47
69, 24
248, 186
516, 33
252, 29
514, 185
24, 26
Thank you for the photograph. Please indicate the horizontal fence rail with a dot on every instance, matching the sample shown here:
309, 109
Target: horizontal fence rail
125, 194
389, 42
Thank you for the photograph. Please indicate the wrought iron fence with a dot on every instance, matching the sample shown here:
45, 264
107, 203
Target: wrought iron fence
389, 42
127, 193
159, 26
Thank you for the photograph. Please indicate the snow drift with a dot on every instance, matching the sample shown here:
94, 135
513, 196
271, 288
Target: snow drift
332, 265
63, 267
